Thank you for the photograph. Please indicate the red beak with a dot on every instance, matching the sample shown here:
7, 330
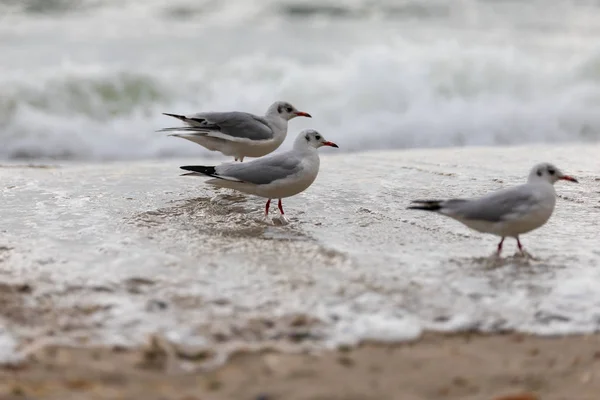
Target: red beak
303, 114
569, 178
330, 144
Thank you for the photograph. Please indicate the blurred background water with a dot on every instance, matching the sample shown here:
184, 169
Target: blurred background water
89, 79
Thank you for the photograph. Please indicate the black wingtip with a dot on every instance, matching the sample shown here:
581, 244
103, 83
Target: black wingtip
182, 117
206, 170
426, 205
423, 208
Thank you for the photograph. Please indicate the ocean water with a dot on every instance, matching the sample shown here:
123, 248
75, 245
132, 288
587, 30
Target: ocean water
88, 80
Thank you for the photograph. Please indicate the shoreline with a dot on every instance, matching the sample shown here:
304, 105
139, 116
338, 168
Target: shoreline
215, 158
465, 366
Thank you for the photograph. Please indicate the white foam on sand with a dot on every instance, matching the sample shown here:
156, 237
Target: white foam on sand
377, 328
113, 253
9, 351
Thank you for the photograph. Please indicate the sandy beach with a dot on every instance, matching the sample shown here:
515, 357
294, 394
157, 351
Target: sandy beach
460, 367
101, 257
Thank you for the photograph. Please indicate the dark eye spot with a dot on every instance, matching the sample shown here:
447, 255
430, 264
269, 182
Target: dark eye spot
551, 171
289, 109
318, 137
539, 172
307, 138
279, 109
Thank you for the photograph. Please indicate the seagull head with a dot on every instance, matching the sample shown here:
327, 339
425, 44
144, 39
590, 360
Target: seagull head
286, 111
548, 173
312, 138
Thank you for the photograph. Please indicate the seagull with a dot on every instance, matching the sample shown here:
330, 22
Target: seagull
238, 134
276, 176
509, 212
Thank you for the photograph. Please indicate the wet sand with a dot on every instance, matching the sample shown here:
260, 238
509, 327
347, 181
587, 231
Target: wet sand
456, 367
102, 255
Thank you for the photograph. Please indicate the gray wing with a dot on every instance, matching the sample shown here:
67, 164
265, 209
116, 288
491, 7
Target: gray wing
233, 125
262, 171
495, 207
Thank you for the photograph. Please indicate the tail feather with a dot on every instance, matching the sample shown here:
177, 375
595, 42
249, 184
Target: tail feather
181, 117
205, 170
190, 130
191, 174
209, 171
426, 205
189, 120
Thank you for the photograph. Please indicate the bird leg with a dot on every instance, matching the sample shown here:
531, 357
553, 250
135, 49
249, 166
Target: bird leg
500, 246
283, 218
267, 208
520, 246
524, 253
